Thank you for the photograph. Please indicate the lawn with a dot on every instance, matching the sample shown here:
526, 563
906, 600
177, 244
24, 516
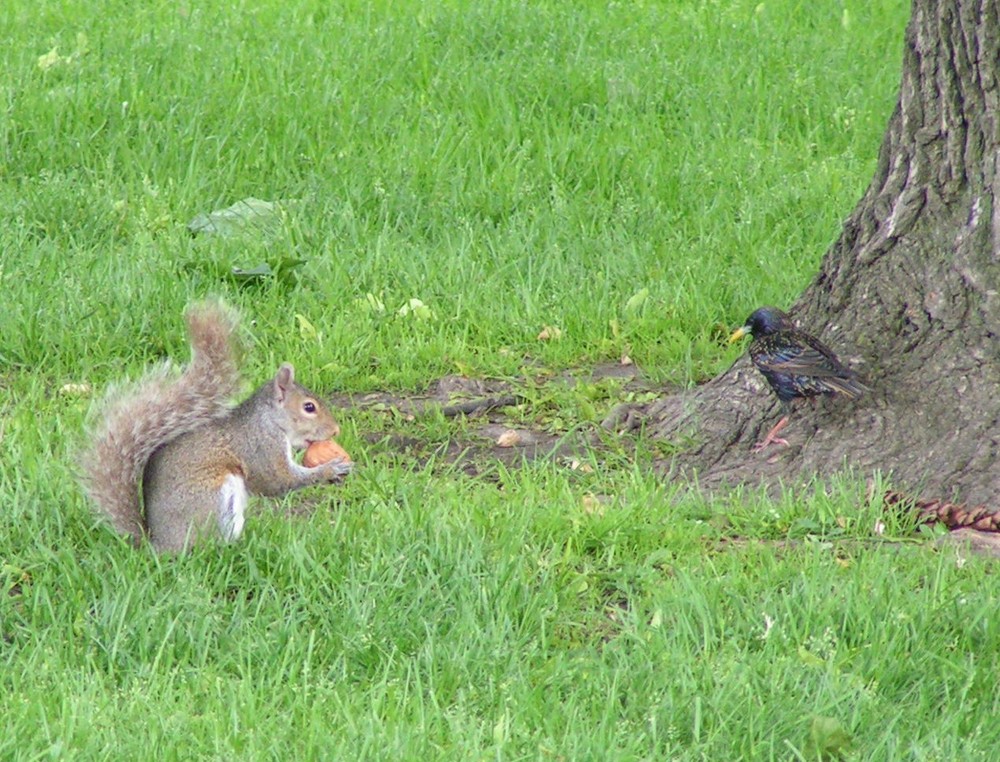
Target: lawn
625, 179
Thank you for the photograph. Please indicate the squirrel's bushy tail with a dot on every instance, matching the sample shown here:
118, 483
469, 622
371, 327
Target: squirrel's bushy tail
134, 422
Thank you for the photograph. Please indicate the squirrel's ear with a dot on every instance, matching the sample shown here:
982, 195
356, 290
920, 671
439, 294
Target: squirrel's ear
284, 380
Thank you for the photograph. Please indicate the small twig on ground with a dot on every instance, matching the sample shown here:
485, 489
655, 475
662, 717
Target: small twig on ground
467, 407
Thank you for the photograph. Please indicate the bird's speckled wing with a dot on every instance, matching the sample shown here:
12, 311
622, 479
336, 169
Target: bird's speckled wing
798, 364
795, 352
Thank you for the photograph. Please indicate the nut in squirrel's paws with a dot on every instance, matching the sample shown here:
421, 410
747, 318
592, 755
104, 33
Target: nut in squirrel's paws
322, 452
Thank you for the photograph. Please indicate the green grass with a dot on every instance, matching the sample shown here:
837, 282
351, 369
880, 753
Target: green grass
639, 175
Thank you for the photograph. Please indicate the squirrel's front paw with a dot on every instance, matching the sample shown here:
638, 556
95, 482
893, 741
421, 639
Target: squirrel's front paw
336, 470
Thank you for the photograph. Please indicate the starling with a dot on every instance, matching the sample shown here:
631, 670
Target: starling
794, 363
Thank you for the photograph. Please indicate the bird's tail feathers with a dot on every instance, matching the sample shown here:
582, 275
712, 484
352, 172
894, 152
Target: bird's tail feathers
849, 386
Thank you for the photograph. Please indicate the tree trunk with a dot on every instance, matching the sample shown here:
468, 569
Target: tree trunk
907, 296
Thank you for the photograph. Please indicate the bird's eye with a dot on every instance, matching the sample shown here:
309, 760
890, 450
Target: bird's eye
309, 407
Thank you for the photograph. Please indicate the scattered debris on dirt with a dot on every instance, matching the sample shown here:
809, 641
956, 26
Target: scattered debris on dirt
499, 427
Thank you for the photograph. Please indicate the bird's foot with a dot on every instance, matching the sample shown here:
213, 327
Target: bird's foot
772, 436
766, 441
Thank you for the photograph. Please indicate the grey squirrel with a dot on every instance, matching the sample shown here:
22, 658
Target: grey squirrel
196, 457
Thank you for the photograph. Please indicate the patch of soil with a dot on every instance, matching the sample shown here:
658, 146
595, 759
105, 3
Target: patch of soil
492, 434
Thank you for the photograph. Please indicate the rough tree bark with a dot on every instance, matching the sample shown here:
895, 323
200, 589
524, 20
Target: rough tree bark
907, 295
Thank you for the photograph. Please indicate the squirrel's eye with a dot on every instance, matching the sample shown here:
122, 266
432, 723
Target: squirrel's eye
309, 407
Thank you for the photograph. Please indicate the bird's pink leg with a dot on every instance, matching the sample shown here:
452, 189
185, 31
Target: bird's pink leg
772, 436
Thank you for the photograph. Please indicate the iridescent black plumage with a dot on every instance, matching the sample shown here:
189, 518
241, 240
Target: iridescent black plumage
794, 363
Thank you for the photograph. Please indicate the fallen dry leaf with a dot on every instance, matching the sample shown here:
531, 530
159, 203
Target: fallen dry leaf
75, 389
50, 59
509, 438
549, 333
592, 505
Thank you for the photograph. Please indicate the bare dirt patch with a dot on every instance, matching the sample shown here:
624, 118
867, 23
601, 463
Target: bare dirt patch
506, 422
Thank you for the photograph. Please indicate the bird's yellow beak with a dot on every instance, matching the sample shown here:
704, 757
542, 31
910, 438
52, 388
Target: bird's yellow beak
738, 334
